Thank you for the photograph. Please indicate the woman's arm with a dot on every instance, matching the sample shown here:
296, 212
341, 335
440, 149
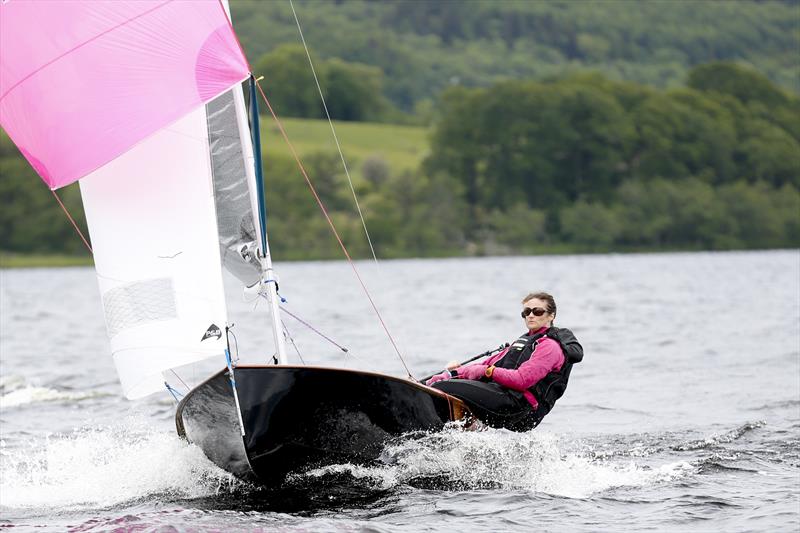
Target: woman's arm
477, 370
546, 358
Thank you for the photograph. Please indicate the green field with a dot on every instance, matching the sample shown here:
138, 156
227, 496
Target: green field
13, 260
401, 147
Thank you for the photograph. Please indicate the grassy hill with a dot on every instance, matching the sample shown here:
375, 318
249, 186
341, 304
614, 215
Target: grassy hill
401, 147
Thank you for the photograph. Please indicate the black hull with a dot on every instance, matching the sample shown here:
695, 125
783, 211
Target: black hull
296, 418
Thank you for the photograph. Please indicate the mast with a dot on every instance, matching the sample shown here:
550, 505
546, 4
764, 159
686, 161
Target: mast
252, 152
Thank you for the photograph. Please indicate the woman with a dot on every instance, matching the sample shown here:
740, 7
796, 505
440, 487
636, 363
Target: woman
518, 386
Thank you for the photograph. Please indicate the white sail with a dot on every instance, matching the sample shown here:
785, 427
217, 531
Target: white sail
152, 222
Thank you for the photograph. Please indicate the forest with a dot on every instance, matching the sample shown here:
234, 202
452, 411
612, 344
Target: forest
422, 47
534, 139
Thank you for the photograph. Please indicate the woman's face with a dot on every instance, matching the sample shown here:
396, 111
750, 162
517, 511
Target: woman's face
534, 322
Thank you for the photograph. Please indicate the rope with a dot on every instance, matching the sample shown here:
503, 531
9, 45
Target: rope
173, 392
333, 131
180, 379
74, 225
291, 339
315, 330
333, 227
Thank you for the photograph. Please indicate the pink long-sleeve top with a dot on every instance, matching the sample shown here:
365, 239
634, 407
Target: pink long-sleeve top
547, 357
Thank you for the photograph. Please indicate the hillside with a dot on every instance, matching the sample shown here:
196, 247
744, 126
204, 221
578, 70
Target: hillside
33, 228
424, 47
402, 148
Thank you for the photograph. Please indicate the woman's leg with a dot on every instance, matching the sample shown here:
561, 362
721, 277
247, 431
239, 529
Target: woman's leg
492, 404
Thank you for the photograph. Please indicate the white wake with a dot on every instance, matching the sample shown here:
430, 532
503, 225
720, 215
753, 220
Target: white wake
106, 466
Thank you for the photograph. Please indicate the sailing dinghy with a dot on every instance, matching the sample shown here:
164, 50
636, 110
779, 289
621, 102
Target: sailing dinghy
142, 102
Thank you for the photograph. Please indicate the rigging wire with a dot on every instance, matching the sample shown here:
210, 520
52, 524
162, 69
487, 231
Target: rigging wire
315, 330
74, 224
333, 131
333, 228
180, 379
291, 339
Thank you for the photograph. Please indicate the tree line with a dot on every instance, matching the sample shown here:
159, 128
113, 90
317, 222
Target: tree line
578, 164
597, 162
583, 163
423, 47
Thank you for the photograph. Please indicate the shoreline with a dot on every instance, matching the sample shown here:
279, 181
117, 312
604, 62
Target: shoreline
9, 260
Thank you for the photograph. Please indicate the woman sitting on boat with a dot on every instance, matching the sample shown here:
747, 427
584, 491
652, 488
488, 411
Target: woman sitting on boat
518, 386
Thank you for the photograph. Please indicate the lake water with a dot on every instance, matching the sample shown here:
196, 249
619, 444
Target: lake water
684, 415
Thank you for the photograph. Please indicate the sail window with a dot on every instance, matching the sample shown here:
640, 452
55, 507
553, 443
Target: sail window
139, 303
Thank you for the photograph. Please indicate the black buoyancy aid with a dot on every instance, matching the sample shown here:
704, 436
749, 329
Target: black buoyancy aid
551, 387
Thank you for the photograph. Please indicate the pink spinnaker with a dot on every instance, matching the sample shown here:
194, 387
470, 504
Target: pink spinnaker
81, 82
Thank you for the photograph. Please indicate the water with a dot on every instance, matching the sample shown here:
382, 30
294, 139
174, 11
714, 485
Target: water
684, 415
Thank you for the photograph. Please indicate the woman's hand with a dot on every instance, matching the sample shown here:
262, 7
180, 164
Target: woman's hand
438, 377
473, 372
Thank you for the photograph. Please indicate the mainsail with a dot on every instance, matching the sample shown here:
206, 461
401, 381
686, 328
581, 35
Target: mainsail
141, 101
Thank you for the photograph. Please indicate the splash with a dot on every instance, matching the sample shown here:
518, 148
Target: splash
534, 461
11, 382
15, 391
33, 395
105, 466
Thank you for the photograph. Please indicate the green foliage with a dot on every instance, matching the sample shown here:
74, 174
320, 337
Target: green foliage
580, 163
687, 213
289, 83
423, 47
519, 227
31, 220
540, 142
745, 84
590, 224
352, 91
615, 164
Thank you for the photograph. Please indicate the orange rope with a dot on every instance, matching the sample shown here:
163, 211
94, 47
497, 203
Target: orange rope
332, 226
74, 225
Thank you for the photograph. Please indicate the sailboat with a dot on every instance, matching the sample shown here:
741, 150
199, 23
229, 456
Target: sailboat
143, 104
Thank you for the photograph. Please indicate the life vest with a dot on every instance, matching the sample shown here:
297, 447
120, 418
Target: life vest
551, 387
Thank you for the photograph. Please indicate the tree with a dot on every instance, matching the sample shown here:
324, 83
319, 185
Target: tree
741, 82
31, 220
519, 226
289, 83
353, 91
683, 134
590, 224
769, 153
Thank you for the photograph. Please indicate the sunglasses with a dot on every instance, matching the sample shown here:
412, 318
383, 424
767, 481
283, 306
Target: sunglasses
537, 311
